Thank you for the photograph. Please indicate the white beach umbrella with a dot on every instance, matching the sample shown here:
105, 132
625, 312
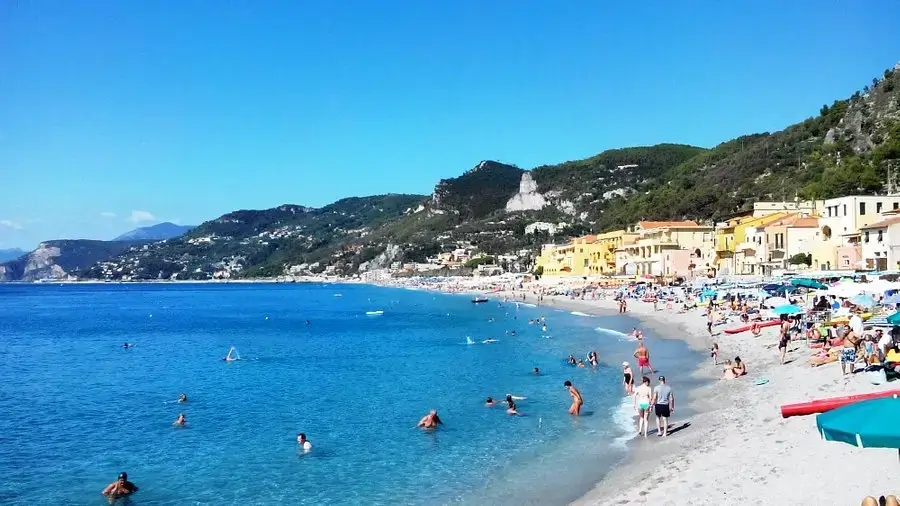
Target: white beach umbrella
776, 301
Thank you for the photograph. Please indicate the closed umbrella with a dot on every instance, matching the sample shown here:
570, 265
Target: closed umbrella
788, 309
776, 301
863, 300
866, 424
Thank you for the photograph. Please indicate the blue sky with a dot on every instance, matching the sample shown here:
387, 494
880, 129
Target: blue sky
115, 114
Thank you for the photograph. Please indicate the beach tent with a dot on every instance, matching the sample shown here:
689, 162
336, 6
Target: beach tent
866, 424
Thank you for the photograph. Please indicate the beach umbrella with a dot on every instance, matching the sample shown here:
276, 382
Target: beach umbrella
893, 319
776, 301
863, 300
892, 299
808, 283
709, 293
866, 424
788, 309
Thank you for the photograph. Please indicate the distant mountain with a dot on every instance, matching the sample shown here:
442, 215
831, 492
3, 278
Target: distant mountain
158, 232
62, 259
10, 254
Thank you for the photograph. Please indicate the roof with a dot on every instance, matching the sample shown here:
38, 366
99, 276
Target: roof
645, 225
808, 222
883, 223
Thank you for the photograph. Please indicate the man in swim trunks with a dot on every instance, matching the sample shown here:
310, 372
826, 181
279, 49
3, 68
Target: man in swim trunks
848, 353
785, 339
627, 378
577, 401
642, 354
120, 488
430, 421
663, 406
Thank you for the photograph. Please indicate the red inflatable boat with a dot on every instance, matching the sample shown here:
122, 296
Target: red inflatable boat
823, 405
745, 328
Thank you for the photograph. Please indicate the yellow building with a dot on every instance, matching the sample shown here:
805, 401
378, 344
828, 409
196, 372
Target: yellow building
584, 256
668, 249
603, 254
731, 240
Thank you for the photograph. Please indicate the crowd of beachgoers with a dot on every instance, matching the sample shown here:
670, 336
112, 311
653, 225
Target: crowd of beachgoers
770, 343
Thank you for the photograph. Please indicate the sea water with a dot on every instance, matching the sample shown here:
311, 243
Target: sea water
77, 408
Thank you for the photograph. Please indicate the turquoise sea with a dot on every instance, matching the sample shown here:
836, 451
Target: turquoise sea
78, 408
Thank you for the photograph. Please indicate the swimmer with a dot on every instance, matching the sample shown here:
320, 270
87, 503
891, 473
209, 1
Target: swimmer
581, 363
126, 345
577, 401
182, 398
544, 328
120, 488
536, 371
303, 442
228, 357
430, 421
180, 422
489, 402
307, 322
531, 322
511, 407
592, 358
571, 360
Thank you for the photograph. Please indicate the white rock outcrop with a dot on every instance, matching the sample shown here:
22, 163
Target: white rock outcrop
528, 198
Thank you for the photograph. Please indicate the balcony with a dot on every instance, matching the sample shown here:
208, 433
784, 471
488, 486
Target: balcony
747, 246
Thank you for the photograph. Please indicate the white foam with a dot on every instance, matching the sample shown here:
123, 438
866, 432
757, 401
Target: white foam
579, 313
619, 335
528, 305
624, 418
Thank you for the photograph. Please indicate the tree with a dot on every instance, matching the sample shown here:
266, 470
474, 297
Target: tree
801, 259
539, 270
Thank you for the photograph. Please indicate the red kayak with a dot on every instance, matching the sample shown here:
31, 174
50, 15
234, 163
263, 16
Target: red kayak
823, 405
745, 328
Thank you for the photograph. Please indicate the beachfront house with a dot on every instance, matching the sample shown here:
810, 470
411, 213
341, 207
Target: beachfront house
734, 253
880, 244
669, 249
787, 238
841, 223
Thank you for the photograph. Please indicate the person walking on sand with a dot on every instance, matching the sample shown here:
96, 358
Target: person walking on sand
642, 397
663, 406
577, 401
642, 354
627, 378
785, 336
710, 316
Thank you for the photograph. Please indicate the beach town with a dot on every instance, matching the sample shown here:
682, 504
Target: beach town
818, 345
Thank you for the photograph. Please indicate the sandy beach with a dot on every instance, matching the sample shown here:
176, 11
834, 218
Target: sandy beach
737, 446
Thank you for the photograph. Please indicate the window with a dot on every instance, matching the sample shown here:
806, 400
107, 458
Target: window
896, 205
867, 236
862, 208
880, 235
878, 208
845, 209
829, 211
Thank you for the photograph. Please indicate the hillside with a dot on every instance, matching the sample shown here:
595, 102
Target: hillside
158, 232
254, 243
850, 147
62, 259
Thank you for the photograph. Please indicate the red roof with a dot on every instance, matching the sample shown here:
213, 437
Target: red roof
808, 222
645, 225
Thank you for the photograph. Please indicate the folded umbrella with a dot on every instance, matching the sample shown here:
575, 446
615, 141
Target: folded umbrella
788, 309
808, 283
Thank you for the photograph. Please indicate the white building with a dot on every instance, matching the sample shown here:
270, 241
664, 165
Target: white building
881, 244
840, 224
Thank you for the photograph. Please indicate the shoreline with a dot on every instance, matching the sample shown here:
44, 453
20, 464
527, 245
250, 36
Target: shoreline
737, 447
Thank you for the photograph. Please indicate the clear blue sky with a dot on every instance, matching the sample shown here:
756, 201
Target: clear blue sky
121, 112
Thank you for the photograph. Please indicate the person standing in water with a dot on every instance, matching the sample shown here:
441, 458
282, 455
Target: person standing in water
180, 422
663, 406
303, 442
577, 401
592, 358
642, 397
642, 354
120, 487
627, 378
430, 421
182, 398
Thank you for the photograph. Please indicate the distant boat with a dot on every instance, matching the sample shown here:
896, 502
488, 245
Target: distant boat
374, 313
338, 295
479, 300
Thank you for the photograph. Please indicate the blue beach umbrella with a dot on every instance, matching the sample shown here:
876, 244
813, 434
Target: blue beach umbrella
892, 299
866, 424
788, 309
893, 319
709, 293
863, 300
808, 283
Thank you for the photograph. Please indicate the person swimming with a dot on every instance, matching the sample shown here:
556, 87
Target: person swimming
511, 406
229, 358
571, 360
182, 398
430, 421
490, 401
180, 421
581, 363
536, 371
127, 345
303, 442
120, 488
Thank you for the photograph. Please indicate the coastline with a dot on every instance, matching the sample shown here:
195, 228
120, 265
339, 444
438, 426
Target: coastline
737, 447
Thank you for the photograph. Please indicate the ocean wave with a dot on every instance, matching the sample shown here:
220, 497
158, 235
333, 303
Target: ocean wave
623, 417
579, 313
618, 335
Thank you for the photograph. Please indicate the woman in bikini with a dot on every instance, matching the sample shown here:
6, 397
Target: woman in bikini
642, 397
